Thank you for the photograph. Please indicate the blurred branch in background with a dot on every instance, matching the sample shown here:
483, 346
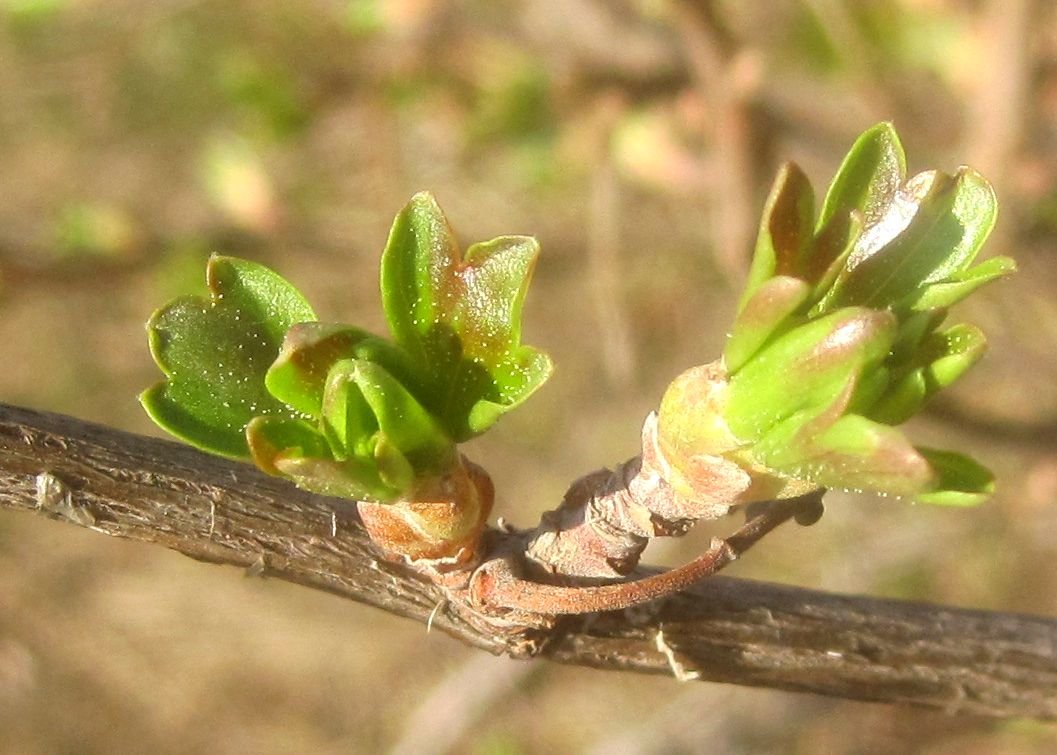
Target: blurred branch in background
723, 629
726, 77
606, 213
450, 711
996, 125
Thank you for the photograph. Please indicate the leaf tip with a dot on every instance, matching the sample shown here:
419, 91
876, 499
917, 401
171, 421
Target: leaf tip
424, 201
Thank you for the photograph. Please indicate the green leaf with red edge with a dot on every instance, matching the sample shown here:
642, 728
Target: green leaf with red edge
215, 352
293, 448
761, 316
270, 438
310, 349
836, 337
786, 231
834, 244
809, 366
375, 438
855, 453
868, 179
459, 318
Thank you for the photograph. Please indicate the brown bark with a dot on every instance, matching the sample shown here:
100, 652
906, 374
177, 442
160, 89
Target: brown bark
723, 629
608, 517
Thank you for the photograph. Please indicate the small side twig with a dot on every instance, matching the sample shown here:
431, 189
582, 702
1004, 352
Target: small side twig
496, 583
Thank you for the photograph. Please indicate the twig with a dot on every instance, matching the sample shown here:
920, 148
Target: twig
727, 81
1001, 105
496, 583
729, 630
603, 248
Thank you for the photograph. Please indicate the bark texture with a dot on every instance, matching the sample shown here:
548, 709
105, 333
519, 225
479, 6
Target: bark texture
723, 629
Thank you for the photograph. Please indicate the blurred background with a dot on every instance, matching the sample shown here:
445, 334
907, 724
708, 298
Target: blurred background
636, 139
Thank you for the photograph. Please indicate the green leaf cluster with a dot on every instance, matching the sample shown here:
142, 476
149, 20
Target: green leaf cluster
840, 333
251, 372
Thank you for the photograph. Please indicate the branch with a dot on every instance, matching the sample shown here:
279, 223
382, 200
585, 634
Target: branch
722, 629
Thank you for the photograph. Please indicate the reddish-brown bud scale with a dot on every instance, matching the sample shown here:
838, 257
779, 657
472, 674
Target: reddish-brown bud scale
441, 521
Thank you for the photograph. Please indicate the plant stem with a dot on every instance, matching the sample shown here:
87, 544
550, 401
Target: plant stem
731, 630
496, 584
607, 518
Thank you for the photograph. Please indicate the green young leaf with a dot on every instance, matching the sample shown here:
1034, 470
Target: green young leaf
895, 255
833, 246
293, 448
353, 478
761, 316
933, 229
395, 414
855, 453
348, 422
914, 328
869, 177
952, 290
962, 481
975, 210
459, 318
394, 468
215, 353
270, 438
786, 232
310, 350
942, 359
836, 341
808, 367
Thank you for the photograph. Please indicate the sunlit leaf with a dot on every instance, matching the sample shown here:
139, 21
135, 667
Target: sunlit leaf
786, 230
394, 468
859, 454
976, 210
896, 255
348, 422
762, 314
941, 360
932, 229
952, 290
833, 245
869, 177
837, 336
459, 317
397, 414
215, 353
352, 478
806, 367
272, 437
310, 350
962, 481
